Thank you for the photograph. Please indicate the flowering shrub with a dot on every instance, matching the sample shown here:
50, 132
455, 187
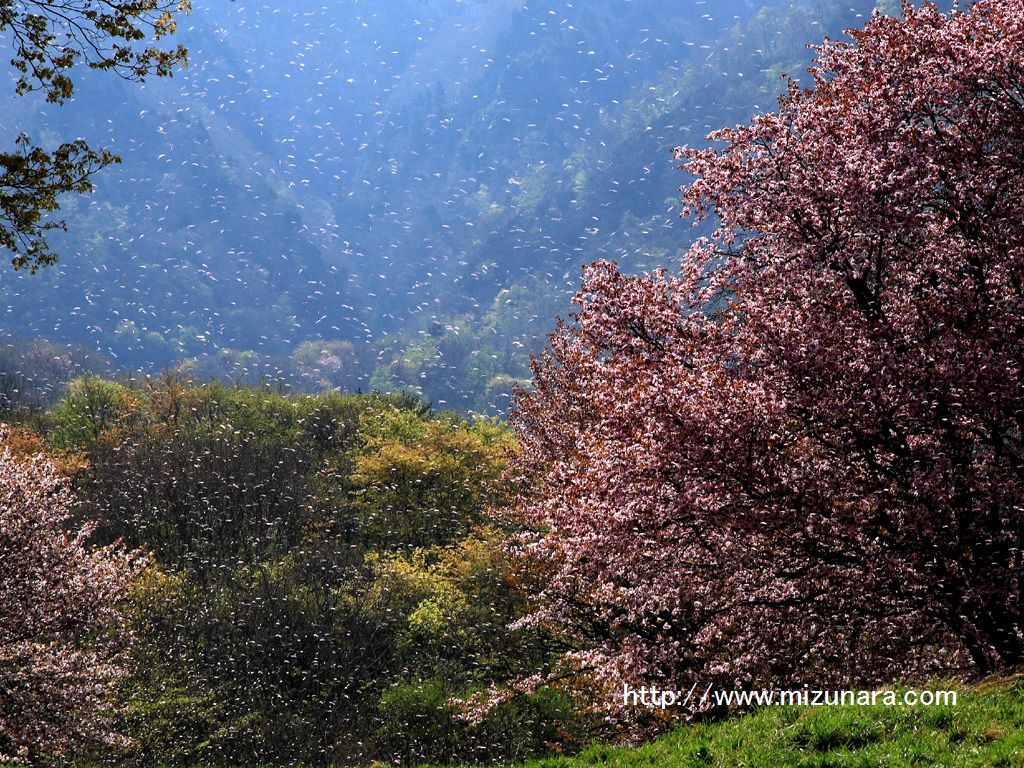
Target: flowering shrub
59, 638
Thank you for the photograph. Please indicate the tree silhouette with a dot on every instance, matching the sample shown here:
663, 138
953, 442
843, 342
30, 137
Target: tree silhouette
49, 38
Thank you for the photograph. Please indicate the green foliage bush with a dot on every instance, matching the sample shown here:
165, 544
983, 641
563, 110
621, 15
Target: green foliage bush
419, 724
324, 582
90, 407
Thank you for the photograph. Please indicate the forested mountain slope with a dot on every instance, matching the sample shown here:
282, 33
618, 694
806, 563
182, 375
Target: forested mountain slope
343, 195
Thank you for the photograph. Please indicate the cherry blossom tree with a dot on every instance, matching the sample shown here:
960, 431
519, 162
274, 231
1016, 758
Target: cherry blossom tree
799, 459
59, 619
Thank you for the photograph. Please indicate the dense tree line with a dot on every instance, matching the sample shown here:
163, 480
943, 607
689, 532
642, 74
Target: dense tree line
323, 581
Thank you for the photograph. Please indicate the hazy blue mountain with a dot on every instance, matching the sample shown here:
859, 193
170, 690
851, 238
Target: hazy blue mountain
391, 194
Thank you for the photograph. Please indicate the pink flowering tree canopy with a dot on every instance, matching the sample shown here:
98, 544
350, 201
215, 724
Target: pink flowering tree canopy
59, 619
800, 459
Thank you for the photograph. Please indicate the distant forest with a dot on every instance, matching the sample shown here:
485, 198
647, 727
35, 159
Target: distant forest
385, 209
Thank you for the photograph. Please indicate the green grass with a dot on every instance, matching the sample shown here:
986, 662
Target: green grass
984, 728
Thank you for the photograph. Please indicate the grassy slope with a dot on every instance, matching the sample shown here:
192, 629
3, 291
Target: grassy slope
985, 728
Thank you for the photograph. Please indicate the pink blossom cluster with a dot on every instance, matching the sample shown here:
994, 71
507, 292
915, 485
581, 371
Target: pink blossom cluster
59, 622
800, 459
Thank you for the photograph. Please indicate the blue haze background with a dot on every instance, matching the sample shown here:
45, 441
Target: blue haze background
390, 195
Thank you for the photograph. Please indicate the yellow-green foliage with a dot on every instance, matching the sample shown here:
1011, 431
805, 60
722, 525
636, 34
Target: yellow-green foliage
422, 483
321, 567
92, 406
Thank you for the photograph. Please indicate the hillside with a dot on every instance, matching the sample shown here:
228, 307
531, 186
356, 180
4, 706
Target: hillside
984, 729
389, 209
